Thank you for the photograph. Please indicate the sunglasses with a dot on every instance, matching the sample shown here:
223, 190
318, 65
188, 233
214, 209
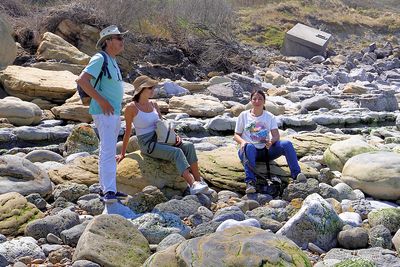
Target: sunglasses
150, 88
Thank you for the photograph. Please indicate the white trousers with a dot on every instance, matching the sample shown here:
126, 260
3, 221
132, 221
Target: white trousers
108, 128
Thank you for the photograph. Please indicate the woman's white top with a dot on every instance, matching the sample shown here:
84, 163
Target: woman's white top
145, 122
255, 129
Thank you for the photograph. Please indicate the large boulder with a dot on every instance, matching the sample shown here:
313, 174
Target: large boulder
19, 112
83, 35
222, 168
111, 240
136, 171
16, 249
83, 170
197, 105
313, 143
8, 50
53, 224
30, 83
59, 66
385, 101
15, 213
236, 246
74, 112
320, 101
230, 91
338, 153
376, 256
20, 175
375, 173
275, 78
316, 222
55, 47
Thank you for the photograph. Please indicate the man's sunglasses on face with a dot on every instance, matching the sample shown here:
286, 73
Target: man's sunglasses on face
119, 38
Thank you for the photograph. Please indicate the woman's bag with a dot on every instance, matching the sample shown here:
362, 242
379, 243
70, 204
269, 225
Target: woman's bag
164, 134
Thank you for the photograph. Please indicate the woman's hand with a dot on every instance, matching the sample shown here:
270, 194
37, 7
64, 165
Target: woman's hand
119, 158
242, 145
268, 144
178, 140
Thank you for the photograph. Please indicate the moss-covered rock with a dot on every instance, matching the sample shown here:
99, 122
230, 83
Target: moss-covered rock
82, 139
136, 171
338, 153
15, 213
389, 217
316, 222
355, 263
314, 143
237, 246
112, 241
222, 168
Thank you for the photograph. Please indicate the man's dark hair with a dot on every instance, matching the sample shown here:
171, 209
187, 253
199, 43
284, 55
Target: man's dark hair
104, 45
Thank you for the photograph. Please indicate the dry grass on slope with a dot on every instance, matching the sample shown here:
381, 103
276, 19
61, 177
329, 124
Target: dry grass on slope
265, 22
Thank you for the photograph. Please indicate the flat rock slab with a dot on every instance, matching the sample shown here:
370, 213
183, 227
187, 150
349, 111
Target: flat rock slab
29, 83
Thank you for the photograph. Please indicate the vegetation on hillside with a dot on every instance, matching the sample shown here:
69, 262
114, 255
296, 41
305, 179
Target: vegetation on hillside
254, 22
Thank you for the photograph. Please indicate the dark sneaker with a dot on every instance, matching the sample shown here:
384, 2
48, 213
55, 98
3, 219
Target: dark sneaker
250, 187
120, 194
110, 197
117, 194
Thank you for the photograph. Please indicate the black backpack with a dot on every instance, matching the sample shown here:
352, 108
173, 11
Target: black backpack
85, 98
270, 185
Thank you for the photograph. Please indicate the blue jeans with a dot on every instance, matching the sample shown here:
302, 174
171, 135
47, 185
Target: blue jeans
278, 149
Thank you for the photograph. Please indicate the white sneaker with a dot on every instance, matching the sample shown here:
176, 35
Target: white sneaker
198, 187
209, 190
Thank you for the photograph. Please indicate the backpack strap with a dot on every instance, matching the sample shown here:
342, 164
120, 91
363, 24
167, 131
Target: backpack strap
104, 68
252, 168
267, 164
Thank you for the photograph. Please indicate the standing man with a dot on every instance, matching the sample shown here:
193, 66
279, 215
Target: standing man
105, 105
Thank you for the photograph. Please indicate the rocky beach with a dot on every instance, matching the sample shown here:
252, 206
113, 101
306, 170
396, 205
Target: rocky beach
341, 112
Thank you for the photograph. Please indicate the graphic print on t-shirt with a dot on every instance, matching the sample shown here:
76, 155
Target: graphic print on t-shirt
258, 132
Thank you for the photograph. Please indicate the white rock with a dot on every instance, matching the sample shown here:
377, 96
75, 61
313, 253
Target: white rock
351, 218
232, 223
74, 156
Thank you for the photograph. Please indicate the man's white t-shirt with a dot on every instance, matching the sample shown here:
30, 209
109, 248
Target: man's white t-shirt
255, 130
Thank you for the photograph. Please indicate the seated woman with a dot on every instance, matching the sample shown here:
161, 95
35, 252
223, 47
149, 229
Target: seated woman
144, 114
253, 130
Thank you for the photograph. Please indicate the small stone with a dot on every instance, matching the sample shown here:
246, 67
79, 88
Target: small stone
53, 239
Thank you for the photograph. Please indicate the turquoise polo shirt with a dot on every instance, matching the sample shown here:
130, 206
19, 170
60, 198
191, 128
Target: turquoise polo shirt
111, 89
